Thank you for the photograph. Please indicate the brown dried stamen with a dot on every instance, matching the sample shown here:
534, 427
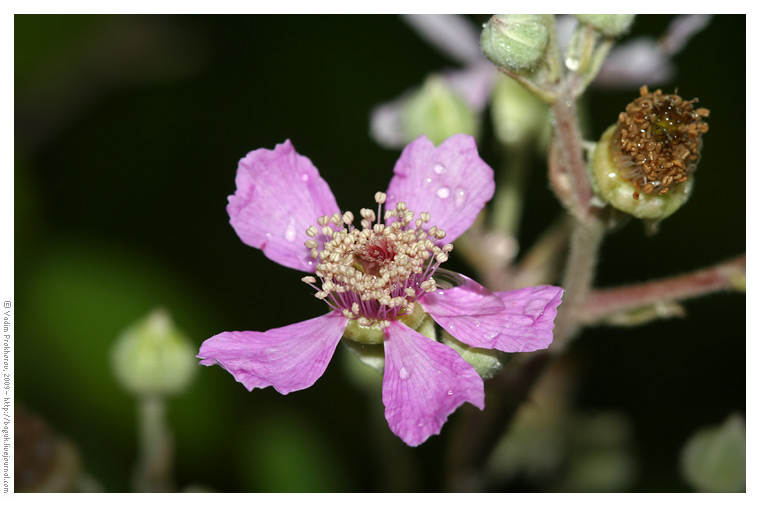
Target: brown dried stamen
658, 140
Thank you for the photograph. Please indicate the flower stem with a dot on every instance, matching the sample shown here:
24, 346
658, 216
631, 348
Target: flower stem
585, 241
568, 152
154, 465
604, 303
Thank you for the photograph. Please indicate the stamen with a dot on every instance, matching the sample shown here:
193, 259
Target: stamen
374, 274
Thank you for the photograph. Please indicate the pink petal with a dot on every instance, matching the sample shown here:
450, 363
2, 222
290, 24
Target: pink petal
450, 182
288, 358
424, 382
524, 325
279, 195
467, 298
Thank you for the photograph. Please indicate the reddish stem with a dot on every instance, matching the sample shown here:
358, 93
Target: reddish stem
604, 303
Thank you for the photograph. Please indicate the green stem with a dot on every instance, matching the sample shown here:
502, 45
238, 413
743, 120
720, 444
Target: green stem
154, 465
508, 199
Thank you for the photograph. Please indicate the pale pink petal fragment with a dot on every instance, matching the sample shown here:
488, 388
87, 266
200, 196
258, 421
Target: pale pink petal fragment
452, 34
524, 325
450, 182
637, 62
278, 195
474, 83
423, 383
288, 358
386, 124
468, 297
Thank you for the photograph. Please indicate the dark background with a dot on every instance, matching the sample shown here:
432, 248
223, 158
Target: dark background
128, 132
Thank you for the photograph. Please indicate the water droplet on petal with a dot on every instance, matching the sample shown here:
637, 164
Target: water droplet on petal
534, 308
428, 180
460, 197
439, 168
304, 177
290, 231
491, 335
443, 192
403, 373
450, 393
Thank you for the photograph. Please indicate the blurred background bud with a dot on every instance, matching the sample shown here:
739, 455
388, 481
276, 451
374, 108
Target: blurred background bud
153, 358
518, 115
611, 25
515, 41
438, 112
714, 459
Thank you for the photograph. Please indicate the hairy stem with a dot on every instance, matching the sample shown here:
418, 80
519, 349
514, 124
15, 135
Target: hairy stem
604, 303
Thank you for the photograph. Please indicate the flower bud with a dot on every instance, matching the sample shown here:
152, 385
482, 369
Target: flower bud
515, 41
153, 358
518, 115
611, 25
643, 165
437, 112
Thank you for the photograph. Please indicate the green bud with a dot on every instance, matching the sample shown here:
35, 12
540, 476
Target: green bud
487, 362
518, 115
366, 342
153, 358
611, 25
515, 41
438, 112
714, 459
644, 164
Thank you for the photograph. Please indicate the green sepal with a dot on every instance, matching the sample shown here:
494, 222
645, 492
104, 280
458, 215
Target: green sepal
487, 362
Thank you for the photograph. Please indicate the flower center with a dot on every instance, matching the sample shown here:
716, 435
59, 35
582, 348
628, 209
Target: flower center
376, 273
658, 140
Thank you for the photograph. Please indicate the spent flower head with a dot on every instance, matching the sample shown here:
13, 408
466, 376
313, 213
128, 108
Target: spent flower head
643, 164
381, 280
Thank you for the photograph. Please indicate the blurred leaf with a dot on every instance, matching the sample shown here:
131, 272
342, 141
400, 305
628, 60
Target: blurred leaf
286, 454
714, 459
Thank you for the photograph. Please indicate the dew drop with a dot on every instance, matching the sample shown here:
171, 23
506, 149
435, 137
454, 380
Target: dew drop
572, 63
439, 168
450, 393
534, 308
304, 177
290, 232
428, 180
443, 192
439, 372
403, 374
459, 197
490, 336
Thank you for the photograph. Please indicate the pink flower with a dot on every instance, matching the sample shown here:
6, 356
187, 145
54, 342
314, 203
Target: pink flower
378, 280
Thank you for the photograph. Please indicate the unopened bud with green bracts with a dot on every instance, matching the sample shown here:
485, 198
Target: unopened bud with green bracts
515, 41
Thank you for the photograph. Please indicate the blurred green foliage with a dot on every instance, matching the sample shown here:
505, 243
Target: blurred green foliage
128, 131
